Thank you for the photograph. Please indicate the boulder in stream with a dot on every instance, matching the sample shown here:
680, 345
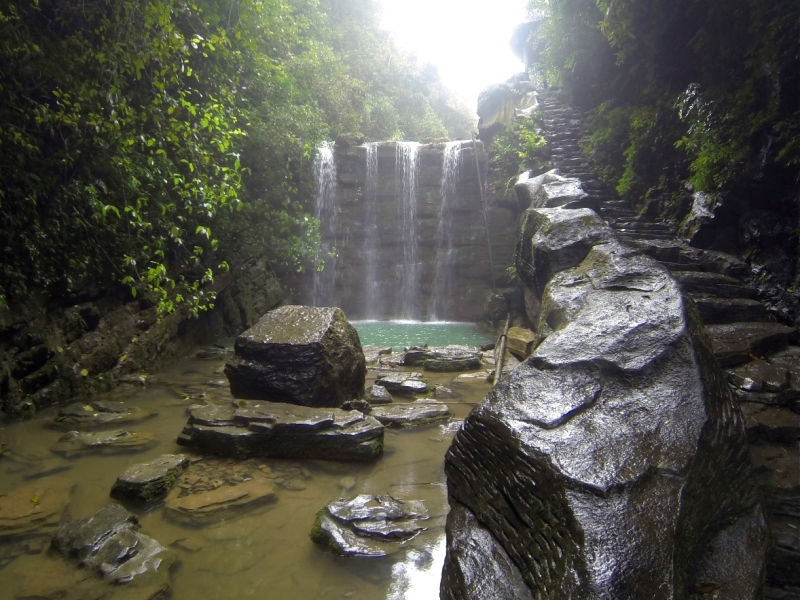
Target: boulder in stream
613, 462
403, 383
377, 394
273, 429
368, 526
299, 355
149, 481
109, 542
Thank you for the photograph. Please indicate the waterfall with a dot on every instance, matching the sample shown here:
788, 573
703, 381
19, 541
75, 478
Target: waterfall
326, 211
443, 279
371, 285
406, 171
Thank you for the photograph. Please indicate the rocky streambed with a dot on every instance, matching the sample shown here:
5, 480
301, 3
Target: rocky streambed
229, 527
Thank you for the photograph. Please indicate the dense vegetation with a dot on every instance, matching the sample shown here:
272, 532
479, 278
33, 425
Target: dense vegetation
147, 144
682, 94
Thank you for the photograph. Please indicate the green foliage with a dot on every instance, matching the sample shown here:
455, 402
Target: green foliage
516, 149
148, 144
690, 90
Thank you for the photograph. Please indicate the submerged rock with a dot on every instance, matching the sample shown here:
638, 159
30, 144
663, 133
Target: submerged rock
98, 413
150, 481
33, 509
421, 412
76, 442
613, 462
109, 543
282, 431
224, 501
299, 355
368, 526
403, 383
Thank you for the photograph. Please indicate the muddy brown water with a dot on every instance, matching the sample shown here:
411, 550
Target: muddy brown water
265, 553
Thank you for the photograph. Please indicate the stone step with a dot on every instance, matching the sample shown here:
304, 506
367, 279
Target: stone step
675, 254
713, 284
736, 343
635, 237
715, 310
636, 225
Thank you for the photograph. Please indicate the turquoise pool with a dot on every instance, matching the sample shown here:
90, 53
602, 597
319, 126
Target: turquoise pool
399, 334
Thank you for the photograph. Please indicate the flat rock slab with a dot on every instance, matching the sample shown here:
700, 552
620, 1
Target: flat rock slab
229, 499
368, 526
100, 413
299, 355
377, 394
405, 384
421, 412
682, 257
109, 543
714, 310
149, 481
771, 423
33, 509
75, 443
454, 362
713, 284
737, 343
272, 429
762, 376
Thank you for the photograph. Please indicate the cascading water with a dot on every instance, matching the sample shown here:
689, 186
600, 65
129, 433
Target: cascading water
442, 296
406, 171
326, 211
371, 284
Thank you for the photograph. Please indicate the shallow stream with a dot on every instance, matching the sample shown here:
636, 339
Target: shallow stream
264, 553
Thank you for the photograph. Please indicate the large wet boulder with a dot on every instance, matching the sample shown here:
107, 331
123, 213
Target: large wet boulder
613, 462
368, 526
300, 355
109, 542
273, 429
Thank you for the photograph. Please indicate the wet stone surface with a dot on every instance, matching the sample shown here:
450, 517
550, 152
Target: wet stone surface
421, 412
33, 509
377, 394
271, 429
100, 413
403, 383
110, 544
74, 443
149, 481
299, 355
368, 526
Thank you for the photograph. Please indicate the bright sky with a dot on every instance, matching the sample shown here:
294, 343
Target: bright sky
467, 40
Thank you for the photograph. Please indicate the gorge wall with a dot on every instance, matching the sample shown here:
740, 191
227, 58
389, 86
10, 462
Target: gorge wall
404, 233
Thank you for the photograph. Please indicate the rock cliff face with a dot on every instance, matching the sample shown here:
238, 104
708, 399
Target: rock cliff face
368, 279
613, 462
50, 351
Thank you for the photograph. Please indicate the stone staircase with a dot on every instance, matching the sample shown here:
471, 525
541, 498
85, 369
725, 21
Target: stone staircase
757, 353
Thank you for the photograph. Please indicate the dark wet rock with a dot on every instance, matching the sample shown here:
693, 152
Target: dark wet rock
480, 567
520, 342
368, 526
784, 556
377, 394
778, 473
771, 423
99, 413
149, 481
554, 239
454, 363
761, 376
360, 405
737, 343
273, 429
33, 509
109, 542
76, 442
299, 355
613, 462
551, 190
679, 256
421, 412
713, 284
222, 493
714, 310
403, 383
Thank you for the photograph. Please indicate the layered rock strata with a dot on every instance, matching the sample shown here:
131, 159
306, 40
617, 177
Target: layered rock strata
273, 429
300, 355
613, 462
